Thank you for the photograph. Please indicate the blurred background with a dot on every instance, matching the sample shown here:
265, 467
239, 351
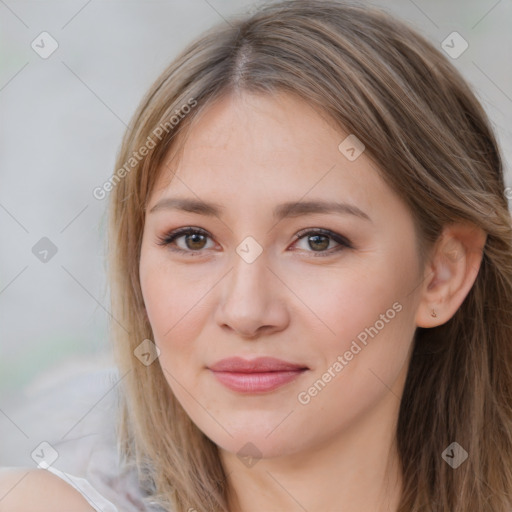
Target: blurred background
71, 75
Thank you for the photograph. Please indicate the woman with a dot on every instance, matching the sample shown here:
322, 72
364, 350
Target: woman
311, 270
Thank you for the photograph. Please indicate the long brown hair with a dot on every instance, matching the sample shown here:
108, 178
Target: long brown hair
433, 144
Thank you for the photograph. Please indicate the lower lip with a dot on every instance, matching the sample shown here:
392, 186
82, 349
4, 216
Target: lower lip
256, 382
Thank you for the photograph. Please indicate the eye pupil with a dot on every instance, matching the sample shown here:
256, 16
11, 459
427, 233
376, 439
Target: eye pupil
323, 245
195, 237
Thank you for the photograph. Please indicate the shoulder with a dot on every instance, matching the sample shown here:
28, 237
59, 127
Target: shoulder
38, 490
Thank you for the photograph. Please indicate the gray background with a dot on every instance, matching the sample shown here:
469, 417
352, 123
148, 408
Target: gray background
61, 123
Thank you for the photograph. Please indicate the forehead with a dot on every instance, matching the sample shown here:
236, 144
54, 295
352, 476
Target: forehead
257, 148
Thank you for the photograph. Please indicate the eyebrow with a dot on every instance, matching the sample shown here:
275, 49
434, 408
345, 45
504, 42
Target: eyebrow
284, 210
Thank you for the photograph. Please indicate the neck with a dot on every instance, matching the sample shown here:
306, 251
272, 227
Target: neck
357, 469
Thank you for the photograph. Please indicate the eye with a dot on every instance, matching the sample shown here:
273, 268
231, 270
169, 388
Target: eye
193, 239
319, 241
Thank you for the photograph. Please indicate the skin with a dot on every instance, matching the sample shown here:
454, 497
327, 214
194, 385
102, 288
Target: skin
249, 153
38, 490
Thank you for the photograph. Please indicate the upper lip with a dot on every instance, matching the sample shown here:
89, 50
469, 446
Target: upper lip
258, 365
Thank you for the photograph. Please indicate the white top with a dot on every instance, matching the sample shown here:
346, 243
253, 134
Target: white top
98, 502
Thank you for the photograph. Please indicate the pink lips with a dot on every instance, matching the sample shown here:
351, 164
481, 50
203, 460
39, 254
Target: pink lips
257, 375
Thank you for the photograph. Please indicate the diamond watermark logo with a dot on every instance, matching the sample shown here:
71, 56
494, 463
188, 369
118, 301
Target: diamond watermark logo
44, 455
249, 454
249, 249
44, 250
146, 352
351, 147
454, 45
454, 455
44, 45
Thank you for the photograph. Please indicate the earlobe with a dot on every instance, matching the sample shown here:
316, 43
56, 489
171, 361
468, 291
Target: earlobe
451, 272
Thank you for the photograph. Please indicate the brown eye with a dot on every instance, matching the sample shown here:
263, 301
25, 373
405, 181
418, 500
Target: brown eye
318, 241
194, 240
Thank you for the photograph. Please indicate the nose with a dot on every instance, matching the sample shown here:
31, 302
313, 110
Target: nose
252, 300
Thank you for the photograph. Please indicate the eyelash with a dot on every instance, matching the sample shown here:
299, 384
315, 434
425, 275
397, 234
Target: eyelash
169, 238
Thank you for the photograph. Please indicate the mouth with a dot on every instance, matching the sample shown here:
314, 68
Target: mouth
263, 374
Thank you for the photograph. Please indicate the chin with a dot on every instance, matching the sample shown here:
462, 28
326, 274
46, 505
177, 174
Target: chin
253, 447
254, 441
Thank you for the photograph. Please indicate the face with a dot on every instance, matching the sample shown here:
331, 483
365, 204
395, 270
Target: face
329, 294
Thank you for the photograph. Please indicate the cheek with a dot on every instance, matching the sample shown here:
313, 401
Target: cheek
367, 315
173, 299
367, 357
342, 302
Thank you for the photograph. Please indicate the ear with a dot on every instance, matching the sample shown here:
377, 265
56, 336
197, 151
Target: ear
450, 273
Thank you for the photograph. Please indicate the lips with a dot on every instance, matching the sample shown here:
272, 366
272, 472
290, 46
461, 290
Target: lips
258, 365
258, 375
